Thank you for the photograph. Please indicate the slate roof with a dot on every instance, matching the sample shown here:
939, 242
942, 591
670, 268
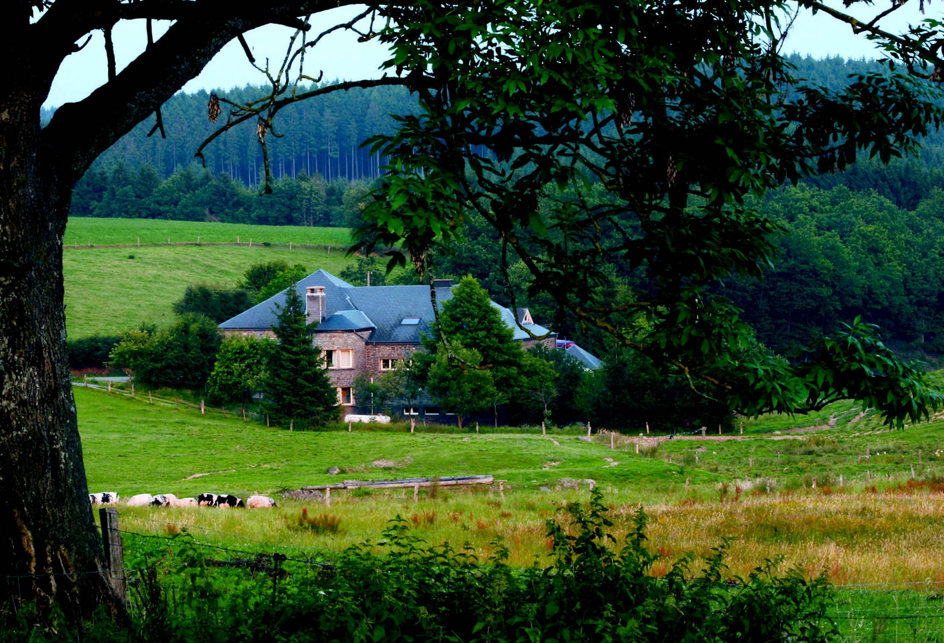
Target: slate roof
378, 309
262, 316
589, 361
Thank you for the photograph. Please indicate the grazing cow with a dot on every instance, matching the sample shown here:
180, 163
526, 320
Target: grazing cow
260, 502
140, 500
105, 498
207, 499
164, 500
226, 501
185, 502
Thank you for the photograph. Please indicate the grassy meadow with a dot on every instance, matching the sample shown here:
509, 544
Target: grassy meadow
880, 526
112, 290
84, 231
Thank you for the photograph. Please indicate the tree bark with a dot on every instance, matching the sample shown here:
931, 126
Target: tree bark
49, 549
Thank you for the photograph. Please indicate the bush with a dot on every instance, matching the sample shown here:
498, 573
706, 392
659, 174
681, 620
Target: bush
90, 352
219, 304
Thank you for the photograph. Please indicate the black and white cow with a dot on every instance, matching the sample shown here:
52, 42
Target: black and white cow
164, 500
105, 498
224, 501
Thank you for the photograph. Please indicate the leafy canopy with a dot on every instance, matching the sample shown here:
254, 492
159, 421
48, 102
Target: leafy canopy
681, 110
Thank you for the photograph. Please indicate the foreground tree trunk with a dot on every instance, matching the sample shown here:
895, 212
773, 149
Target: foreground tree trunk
50, 550
48, 543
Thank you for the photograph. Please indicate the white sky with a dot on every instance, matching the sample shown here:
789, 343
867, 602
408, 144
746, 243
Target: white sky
340, 56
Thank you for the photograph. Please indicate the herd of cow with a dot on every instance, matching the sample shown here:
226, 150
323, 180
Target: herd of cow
170, 500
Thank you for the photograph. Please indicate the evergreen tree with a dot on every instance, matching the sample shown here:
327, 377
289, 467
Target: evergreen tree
298, 392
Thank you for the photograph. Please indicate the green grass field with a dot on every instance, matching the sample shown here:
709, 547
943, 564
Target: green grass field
876, 536
83, 231
111, 290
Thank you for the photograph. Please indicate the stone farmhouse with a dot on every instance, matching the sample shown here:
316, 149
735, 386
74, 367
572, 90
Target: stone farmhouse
367, 330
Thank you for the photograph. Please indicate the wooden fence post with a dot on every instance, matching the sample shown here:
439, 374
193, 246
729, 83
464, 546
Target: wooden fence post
132, 389
416, 493
150, 398
612, 441
412, 425
588, 429
202, 409
114, 557
109, 386
543, 429
85, 379
328, 497
501, 488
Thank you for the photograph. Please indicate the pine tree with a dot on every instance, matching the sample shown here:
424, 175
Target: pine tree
298, 392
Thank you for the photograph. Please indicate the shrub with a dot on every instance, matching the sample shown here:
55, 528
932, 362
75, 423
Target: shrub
90, 352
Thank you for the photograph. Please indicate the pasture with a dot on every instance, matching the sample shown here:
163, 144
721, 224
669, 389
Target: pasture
880, 526
84, 231
110, 290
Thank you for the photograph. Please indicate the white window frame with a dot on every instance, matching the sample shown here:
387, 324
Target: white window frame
411, 410
393, 363
335, 358
431, 410
340, 391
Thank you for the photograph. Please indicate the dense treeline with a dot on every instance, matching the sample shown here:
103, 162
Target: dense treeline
193, 194
320, 136
844, 254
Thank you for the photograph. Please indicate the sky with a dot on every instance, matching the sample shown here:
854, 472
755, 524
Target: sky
340, 57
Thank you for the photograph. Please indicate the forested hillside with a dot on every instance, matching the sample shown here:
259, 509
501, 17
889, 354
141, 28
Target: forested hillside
864, 241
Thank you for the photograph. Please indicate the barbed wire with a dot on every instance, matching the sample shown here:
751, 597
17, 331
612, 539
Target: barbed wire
323, 550
242, 552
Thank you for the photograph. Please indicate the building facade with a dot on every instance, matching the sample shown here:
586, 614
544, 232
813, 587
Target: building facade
369, 330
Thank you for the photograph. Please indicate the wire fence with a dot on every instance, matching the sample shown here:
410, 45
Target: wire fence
248, 243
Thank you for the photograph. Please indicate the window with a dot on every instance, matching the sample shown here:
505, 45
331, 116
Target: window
390, 364
346, 396
410, 410
410, 321
432, 410
339, 358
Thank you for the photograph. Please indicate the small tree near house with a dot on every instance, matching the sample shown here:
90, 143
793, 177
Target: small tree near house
298, 392
458, 384
240, 369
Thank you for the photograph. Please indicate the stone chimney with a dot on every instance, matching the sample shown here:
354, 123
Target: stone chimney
315, 305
